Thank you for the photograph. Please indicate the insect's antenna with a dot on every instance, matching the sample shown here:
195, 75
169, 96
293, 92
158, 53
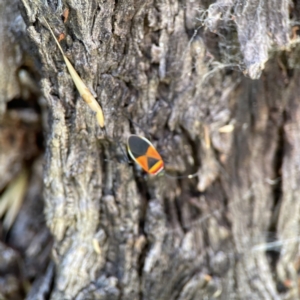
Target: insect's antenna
136, 124
123, 152
182, 176
81, 87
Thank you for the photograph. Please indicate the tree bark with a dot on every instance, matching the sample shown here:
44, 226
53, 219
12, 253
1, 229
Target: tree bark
174, 69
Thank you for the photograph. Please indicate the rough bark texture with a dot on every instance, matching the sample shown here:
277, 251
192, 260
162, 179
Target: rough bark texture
25, 240
174, 69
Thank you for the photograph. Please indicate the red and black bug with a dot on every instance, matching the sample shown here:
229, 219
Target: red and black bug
144, 154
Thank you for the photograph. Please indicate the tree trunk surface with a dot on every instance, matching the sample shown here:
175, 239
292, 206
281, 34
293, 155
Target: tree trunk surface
215, 87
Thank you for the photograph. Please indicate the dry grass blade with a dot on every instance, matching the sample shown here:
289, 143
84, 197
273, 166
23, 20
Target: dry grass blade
81, 87
12, 198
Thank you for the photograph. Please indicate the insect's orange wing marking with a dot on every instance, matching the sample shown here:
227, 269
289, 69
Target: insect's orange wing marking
158, 167
154, 167
152, 152
143, 162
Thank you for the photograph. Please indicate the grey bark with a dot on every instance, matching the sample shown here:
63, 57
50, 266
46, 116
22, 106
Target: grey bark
25, 241
232, 233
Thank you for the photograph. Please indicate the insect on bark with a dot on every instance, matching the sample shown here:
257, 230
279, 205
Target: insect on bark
146, 156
